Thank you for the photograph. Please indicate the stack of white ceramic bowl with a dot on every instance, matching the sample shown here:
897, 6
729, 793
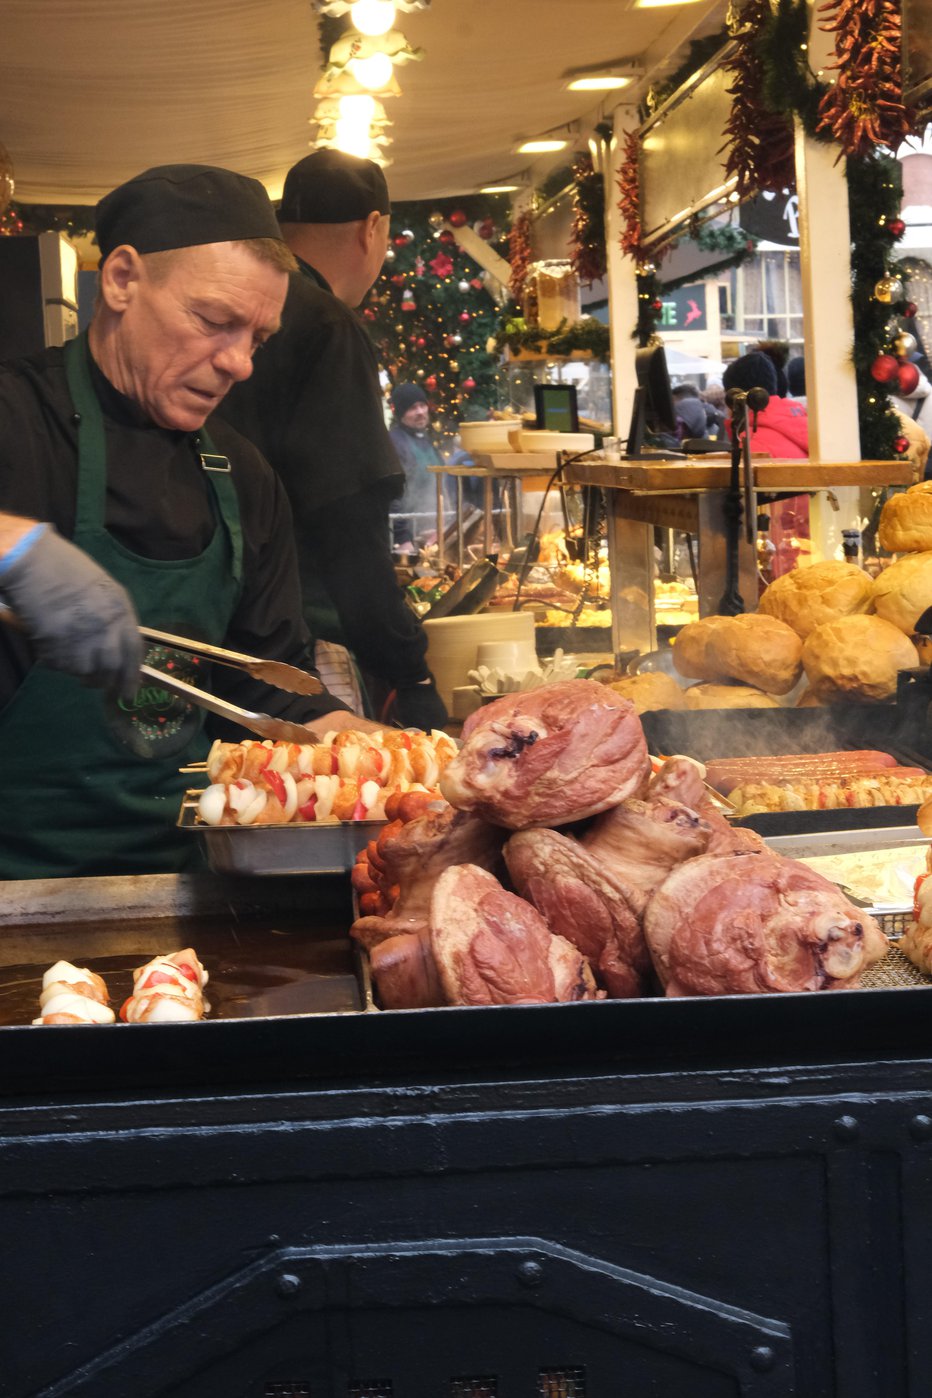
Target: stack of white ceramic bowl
486, 437
453, 644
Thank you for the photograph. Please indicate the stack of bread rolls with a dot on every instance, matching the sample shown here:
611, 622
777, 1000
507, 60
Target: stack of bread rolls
744, 660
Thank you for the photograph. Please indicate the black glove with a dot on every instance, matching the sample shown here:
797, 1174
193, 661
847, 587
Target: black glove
78, 618
419, 706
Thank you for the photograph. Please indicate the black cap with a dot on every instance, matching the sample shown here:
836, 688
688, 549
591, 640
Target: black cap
182, 206
329, 186
754, 370
405, 395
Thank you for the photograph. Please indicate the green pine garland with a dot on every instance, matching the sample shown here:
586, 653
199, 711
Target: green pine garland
585, 336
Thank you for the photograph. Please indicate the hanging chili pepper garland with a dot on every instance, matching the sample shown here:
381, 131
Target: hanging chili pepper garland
864, 107
759, 142
588, 254
630, 190
519, 253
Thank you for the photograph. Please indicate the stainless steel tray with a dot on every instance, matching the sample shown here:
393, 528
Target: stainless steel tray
278, 849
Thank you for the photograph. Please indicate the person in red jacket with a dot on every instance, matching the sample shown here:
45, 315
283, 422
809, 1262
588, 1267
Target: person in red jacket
782, 431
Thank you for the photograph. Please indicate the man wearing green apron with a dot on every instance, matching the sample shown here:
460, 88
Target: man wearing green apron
173, 519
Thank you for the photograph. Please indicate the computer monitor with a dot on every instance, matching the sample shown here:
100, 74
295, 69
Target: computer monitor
653, 411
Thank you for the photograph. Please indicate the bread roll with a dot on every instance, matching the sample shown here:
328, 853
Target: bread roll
651, 690
903, 591
808, 699
906, 520
807, 597
856, 657
728, 696
689, 648
757, 650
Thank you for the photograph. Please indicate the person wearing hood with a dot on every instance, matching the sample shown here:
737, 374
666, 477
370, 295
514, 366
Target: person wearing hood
411, 437
782, 428
691, 418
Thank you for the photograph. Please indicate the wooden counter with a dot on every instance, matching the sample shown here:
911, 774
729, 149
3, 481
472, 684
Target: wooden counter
714, 473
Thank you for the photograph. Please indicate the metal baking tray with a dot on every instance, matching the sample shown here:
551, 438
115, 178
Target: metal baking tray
278, 849
269, 953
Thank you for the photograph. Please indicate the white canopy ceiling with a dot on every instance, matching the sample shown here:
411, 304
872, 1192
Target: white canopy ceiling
93, 91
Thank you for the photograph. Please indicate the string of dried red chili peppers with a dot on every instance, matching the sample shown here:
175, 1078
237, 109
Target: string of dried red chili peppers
588, 233
630, 201
864, 108
759, 142
519, 253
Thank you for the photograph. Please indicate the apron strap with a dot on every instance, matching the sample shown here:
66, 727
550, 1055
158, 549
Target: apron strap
92, 459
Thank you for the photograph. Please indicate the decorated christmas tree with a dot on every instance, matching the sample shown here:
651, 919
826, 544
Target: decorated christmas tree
430, 313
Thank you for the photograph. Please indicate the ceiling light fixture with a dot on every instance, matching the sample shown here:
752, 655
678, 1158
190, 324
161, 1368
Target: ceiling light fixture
374, 72
541, 147
599, 82
499, 188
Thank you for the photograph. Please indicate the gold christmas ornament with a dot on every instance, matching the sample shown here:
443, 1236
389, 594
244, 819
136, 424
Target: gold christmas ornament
888, 289
7, 182
904, 345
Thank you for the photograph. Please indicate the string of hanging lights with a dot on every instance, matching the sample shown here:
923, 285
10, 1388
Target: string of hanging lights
360, 73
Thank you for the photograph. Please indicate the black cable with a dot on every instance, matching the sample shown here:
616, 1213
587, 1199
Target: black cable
535, 532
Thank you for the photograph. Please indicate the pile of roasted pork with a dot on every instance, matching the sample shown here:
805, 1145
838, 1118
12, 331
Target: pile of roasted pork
563, 868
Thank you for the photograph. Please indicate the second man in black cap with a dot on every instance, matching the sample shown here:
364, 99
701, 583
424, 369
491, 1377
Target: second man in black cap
314, 408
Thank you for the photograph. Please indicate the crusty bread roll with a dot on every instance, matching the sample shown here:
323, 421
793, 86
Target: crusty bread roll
906, 520
856, 658
808, 699
903, 591
689, 648
728, 696
756, 650
806, 597
651, 690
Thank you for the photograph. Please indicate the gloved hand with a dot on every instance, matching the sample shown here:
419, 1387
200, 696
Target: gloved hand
419, 706
78, 618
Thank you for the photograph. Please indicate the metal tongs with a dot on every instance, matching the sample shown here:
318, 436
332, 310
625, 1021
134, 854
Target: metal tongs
271, 672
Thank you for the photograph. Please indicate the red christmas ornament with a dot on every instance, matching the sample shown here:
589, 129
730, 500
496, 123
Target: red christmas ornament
408, 306
420, 342
901, 444
465, 317
369, 313
398, 279
476, 284
449, 341
400, 240
896, 227
457, 218
430, 383
884, 368
910, 309
656, 307
441, 265
447, 237
468, 385
486, 229
907, 378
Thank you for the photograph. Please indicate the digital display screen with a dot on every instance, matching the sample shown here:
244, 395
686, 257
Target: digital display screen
556, 407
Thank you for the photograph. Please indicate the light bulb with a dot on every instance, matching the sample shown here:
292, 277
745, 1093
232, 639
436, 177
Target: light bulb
374, 72
373, 16
355, 142
359, 108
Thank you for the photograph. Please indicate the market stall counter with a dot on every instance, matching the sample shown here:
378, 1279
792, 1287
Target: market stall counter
692, 495
709, 1197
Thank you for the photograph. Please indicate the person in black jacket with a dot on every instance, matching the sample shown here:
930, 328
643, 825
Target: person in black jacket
314, 409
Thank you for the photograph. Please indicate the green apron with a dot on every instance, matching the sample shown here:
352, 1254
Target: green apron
92, 782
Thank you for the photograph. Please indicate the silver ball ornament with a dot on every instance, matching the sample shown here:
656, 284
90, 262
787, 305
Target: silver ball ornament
888, 290
904, 345
463, 287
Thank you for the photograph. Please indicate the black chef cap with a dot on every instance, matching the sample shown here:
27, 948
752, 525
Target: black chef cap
182, 206
329, 186
405, 396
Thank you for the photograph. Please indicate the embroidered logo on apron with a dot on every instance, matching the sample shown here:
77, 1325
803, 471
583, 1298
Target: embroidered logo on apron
155, 723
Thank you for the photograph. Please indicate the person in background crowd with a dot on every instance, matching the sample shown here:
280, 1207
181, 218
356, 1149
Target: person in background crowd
416, 448
781, 430
778, 353
685, 395
796, 379
314, 409
123, 496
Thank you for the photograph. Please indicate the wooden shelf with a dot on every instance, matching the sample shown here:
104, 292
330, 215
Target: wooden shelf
701, 473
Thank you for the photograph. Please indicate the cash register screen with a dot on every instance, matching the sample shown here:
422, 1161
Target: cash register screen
556, 408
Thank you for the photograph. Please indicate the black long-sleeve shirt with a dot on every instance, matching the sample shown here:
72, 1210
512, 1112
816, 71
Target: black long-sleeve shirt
158, 505
313, 407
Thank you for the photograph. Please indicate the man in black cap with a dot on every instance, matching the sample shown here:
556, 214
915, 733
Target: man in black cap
314, 408
410, 434
123, 497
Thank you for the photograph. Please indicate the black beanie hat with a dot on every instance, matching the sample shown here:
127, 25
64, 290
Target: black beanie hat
182, 206
754, 370
405, 395
796, 376
329, 186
